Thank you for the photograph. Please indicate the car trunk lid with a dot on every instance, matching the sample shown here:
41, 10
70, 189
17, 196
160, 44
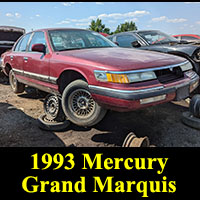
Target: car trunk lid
8, 36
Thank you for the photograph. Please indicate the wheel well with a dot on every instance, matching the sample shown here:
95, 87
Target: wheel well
8, 68
180, 54
67, 77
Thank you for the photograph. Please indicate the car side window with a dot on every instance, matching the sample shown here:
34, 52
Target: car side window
38, 38
125, 40
188, 38
17, 45
22, 44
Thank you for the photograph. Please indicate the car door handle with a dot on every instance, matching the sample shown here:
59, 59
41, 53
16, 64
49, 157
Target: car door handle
25, 59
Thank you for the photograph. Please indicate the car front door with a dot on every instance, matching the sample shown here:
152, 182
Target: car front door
36, 64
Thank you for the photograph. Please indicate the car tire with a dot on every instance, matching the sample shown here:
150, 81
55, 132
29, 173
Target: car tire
46, 125
189, 120
53, 108
194, 106
79, 106
16, 86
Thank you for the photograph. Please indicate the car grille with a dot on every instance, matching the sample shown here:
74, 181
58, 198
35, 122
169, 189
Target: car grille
169, 75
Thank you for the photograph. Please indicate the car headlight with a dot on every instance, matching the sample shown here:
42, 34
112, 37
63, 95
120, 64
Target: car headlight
117, 77
143, 76
186, 67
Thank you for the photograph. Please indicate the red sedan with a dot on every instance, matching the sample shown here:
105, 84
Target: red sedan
91, 74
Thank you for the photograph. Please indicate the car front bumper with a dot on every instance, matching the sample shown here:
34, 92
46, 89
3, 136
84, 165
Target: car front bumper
134, 99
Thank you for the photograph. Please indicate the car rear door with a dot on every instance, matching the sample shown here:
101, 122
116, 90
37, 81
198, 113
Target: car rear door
36, 64
18, 54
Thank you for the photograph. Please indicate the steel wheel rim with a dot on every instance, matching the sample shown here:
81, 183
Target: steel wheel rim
81, 103
52, 107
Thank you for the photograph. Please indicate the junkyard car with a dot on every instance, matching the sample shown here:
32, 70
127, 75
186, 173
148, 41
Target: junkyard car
92, 74
8, 36
188, 37
154, 40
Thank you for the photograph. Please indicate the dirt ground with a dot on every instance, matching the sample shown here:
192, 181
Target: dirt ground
19, 126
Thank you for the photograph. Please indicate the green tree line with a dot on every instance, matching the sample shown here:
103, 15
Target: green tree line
98, 26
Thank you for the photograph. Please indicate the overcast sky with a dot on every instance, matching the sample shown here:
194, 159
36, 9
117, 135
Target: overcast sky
169, 17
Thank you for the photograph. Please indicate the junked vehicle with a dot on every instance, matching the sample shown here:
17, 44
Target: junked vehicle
192, 38
8, 36
91, 74
154, 40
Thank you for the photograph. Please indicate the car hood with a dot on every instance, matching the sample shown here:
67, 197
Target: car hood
188, 49
121, 59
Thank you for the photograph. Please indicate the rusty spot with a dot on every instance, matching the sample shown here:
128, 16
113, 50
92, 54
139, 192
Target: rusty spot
132, 140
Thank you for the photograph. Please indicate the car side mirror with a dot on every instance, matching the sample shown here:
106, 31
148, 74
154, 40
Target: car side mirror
39, 48
135, 44
116, 43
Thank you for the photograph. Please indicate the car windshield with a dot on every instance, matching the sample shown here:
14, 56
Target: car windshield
157, 37
63, 40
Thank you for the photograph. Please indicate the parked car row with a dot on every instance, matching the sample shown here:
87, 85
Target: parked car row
91, 74
152, 40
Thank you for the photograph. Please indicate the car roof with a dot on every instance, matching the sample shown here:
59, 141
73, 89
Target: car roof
186, 35
137, 31
54, 29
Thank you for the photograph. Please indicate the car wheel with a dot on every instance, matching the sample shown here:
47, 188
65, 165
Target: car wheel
194, 106
79, 106
53, 108
16, 86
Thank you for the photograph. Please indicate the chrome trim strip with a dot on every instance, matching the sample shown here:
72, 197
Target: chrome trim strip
37, 76
126, 91
53, 79
143, 70
17, 70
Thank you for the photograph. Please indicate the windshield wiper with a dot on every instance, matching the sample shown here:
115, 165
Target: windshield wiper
70, 49
84, 48
100, 47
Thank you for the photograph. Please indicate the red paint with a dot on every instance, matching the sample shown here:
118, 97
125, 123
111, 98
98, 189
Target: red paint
104, 34
190, 35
